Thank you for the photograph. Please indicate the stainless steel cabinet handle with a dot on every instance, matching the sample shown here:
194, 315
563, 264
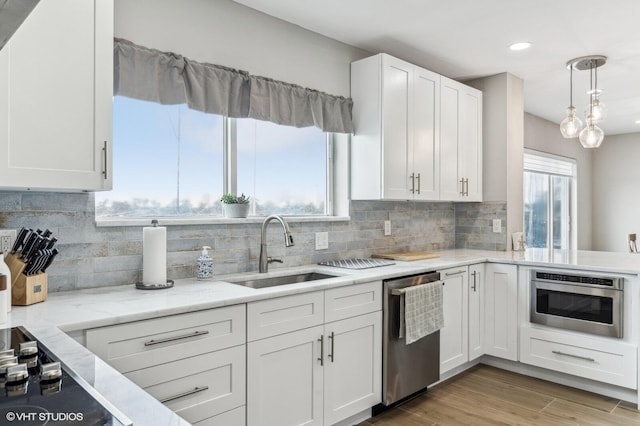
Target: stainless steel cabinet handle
183, 394
332, 353
466, 187
171, 339
473, 274
321, 340
418, 178
448, 274
413, 183
104, 150
586, 358
462, 186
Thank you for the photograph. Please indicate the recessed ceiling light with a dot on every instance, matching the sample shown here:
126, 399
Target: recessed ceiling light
637, 121
520, 45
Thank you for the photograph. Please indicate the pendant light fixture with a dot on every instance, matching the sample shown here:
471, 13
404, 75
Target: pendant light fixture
591, 135
571, 126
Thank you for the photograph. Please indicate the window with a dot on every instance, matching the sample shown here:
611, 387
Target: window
283, 168
171, 161
549, 200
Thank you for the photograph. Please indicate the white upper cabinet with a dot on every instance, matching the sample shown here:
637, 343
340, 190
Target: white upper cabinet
418, 135
56, 88
460, 142
395, 149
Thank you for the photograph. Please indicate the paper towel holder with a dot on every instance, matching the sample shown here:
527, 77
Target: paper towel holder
154, 286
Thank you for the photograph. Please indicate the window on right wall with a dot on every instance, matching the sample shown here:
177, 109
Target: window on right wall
549, 195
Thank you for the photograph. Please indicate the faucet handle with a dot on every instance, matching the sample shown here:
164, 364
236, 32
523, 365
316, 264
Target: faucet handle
273, 259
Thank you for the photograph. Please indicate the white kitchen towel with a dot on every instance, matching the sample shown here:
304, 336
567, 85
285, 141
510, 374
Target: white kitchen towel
423, 310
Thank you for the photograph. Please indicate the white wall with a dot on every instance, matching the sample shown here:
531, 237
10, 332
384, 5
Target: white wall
616, 192
226, 33
543, 135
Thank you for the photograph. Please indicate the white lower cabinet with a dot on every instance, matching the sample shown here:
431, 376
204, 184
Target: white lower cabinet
285, 380
462, 337
592, 358
454, 347
197, 387
194, 363
501, 311
352, 366
322, 374
476, 311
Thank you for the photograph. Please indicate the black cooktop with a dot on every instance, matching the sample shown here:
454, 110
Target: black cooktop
36, 389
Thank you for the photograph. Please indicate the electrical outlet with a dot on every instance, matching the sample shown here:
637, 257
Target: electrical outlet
497, 225
387, 227
322, 240
7, 237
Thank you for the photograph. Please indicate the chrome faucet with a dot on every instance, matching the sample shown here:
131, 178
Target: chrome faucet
263, 265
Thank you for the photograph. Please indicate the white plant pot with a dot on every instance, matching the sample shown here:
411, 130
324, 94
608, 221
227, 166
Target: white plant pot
236, 210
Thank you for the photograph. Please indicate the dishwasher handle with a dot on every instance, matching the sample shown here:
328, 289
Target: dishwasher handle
401, 291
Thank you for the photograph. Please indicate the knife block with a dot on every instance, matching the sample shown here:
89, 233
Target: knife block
25, 290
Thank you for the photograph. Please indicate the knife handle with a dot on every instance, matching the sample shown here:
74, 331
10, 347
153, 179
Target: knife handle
31, 239
51, 242
49, 260
19, 239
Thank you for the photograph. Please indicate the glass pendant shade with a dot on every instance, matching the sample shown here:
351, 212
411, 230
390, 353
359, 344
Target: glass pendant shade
571, 125
598, 109
591, 136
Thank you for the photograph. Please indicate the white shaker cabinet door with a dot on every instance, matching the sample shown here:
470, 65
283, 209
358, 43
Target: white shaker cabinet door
470, 152
460, 142
476, 311
397, 97
454, 347
501, 311
352, 366
425, 147
56, 86
285, 379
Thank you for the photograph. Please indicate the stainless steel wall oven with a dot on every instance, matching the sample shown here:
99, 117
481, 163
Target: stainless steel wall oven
586, 303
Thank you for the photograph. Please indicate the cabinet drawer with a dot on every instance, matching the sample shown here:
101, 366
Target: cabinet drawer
604, 361
353, 300
271, 317
235, 417
220, 376
142, 344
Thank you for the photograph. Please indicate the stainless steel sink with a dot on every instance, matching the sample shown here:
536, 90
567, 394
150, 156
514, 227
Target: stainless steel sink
282, 280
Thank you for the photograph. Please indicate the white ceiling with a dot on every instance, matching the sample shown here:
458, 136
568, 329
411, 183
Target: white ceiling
464, 39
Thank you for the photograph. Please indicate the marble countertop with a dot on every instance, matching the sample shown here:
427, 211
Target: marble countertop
84, 309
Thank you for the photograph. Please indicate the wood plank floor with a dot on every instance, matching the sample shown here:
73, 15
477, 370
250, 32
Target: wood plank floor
486, 395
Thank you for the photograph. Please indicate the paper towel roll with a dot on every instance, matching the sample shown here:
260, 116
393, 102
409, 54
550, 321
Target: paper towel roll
154, 255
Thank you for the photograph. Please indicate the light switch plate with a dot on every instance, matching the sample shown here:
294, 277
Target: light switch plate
322, 240
387, 227
7, 237
497, 225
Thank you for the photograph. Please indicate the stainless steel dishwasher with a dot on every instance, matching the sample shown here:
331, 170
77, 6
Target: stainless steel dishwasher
406, 369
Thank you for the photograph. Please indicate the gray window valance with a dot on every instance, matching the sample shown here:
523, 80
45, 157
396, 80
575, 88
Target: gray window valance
169, 79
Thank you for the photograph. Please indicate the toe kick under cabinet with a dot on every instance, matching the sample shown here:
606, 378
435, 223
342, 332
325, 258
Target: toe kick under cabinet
195, 363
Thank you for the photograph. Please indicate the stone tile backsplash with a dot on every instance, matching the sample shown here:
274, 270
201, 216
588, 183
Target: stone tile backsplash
474, 226
93, 256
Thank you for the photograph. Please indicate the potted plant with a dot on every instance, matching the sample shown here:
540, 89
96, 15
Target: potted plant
235, 206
